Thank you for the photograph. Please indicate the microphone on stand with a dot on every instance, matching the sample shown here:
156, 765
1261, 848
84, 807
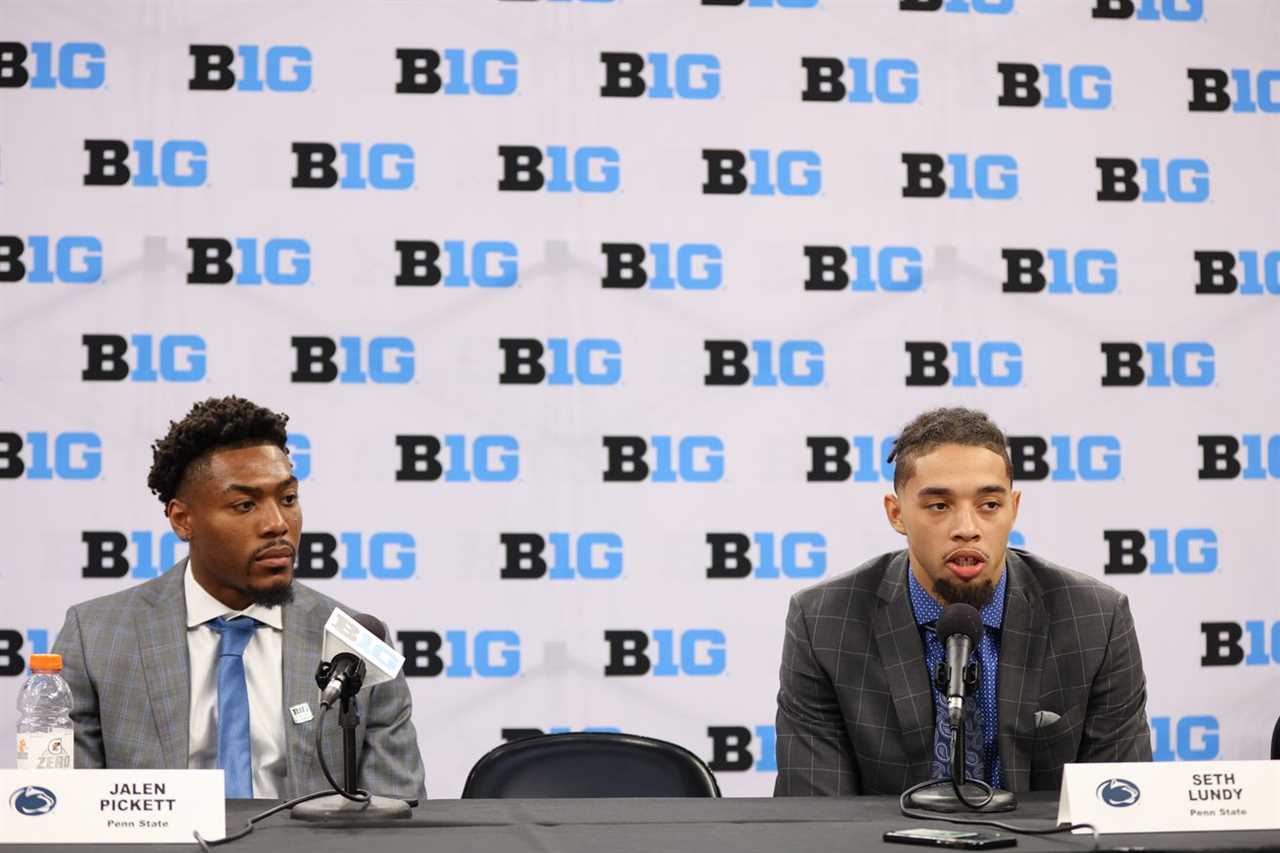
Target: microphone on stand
355, 655
959, 629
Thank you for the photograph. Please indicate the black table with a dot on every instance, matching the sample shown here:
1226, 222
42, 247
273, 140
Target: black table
731, 825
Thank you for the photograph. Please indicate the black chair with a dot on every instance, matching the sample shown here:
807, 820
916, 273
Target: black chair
589, 764
1275, 742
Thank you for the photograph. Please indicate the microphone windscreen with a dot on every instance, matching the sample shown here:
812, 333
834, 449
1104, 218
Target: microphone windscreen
374, 625
960, 619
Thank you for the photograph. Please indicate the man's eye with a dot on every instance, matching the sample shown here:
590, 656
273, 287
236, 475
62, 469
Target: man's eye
290, 500
244, 506
938, 506
992, 504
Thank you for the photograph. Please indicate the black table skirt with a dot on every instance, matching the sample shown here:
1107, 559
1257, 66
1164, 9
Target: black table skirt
730, 825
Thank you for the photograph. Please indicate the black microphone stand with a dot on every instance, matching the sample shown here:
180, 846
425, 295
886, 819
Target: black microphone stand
959, 793
348, 802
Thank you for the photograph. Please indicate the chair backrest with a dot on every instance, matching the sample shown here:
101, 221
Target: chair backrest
589, 764
1275, 742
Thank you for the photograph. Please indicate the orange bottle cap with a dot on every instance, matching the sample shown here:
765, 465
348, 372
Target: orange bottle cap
46, 663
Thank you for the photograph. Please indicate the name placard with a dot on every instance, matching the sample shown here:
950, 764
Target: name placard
111, 806
1178, 796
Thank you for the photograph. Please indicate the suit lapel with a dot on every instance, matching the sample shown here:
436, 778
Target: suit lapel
166, 669
303, 636
1022, 645
902, 656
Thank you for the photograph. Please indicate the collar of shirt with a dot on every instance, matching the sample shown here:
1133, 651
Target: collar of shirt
927, 609
202, 607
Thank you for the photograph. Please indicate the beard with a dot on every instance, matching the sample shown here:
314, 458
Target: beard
977, 594
273, 597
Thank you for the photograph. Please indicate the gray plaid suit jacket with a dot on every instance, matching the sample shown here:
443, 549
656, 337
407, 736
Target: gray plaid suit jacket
855, 705
125, 657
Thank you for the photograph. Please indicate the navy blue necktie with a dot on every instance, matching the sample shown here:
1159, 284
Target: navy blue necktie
235, 754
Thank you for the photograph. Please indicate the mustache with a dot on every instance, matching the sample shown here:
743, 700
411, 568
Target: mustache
273, 546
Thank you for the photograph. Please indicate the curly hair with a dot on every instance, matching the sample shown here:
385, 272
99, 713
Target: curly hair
216, 423
936, 427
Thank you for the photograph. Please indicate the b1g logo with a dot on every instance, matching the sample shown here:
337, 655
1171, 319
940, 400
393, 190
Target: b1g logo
1188, 364
247, 260
487, 263
382, 556
799, 173
1186, 180
1150, 10
829, 459
689, 76
695, 652
1210, 92
278, 68
1080, 87
589, 556
69, 260
1221, 457
885, 81
590, 361
1194, 738
1096, 457
865, 269
994, 364
981, 7
1194, 551
107, 553
170, 163
1090, 271
764, 4
1261, 272
59, 455
683, 266
731, 750
767, 556
764, 364
595, 169
1223, 643
74, 65
163, 358
994, 176
12, 642
379, 166
689, 459
389, 359
490, 459
486, 654
489, 72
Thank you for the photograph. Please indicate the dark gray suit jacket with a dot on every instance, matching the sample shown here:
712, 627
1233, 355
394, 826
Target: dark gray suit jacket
855, 706
125, 657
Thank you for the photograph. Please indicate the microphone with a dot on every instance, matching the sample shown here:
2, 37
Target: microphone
355, 654
346, 672
959, 629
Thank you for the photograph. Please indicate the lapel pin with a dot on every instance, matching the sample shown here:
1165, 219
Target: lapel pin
301, 713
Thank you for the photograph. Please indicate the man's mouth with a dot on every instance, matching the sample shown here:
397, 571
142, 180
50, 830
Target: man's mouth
966, 564
275, 558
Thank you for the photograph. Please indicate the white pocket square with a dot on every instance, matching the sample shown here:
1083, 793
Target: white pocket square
1044, 719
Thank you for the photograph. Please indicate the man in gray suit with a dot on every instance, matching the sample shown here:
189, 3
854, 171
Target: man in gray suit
1061, 673
213, 663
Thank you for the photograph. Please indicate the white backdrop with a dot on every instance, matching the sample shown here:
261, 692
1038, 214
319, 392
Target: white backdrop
71, 74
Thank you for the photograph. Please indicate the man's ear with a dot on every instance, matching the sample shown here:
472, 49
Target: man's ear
179, 515
893, 512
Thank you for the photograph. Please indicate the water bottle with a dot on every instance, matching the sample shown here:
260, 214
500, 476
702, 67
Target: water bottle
46, 740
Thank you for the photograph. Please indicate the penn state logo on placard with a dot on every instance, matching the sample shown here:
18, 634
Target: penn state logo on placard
33, 801
1119, 793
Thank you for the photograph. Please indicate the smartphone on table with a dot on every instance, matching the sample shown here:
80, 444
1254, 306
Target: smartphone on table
962, 839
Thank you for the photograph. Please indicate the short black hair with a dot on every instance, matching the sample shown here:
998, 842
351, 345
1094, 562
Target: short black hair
214, 424
936, 427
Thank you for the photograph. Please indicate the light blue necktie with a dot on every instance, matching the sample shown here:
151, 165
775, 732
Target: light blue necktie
235, 755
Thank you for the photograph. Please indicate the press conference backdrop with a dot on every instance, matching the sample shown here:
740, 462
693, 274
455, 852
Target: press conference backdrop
595, 320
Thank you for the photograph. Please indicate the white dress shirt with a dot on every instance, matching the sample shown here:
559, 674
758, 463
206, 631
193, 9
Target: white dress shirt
264, 680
